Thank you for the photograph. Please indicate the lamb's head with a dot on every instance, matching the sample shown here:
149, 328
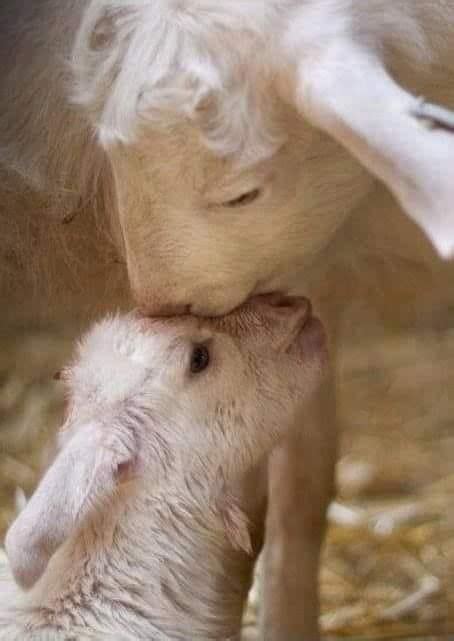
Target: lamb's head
154, 401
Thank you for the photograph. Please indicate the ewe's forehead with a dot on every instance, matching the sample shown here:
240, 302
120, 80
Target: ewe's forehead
173, 173
178, 151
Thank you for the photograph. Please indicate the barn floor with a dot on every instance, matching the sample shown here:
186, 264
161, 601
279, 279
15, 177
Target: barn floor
388, 567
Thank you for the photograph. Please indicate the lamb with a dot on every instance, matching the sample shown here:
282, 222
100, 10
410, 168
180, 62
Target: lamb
147, 524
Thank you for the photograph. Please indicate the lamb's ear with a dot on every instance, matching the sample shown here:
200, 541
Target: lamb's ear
84, 475
348, 93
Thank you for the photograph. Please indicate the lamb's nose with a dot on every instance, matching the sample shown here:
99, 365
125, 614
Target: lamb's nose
286, 304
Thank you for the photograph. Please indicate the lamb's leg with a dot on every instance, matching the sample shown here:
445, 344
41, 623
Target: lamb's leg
301, 475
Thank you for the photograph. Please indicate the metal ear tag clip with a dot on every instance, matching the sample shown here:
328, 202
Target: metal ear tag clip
434, 116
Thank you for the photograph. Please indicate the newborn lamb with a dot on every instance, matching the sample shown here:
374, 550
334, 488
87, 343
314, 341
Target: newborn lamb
142, 528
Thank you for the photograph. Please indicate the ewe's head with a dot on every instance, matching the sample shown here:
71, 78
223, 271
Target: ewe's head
161, 62
160, 401
220, 184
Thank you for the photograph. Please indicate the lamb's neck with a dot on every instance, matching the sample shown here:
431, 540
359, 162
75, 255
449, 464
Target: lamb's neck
201, 579
167, 567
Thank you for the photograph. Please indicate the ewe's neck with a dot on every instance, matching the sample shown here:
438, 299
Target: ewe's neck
167, 568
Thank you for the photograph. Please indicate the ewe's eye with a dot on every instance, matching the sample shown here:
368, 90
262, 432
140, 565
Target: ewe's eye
200, 359
244, 199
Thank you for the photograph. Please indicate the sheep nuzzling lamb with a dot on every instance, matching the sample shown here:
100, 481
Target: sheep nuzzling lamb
190, 154
148, 522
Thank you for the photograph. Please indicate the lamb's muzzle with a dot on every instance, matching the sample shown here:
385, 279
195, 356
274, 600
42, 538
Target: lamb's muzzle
144, 522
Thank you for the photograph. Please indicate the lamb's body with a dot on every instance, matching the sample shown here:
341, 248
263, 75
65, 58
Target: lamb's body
142, 527
167, 572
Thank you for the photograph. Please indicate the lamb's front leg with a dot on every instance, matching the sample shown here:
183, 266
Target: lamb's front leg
301, 476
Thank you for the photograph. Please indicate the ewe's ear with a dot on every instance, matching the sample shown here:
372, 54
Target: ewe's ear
84, 475
347, 92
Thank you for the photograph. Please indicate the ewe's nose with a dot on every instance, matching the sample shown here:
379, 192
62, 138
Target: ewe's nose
165, 309
157, 305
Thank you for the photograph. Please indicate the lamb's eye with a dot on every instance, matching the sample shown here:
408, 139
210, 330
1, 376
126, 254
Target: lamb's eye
244, 199
200, 359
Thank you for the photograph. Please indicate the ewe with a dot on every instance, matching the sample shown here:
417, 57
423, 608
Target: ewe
147, 524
